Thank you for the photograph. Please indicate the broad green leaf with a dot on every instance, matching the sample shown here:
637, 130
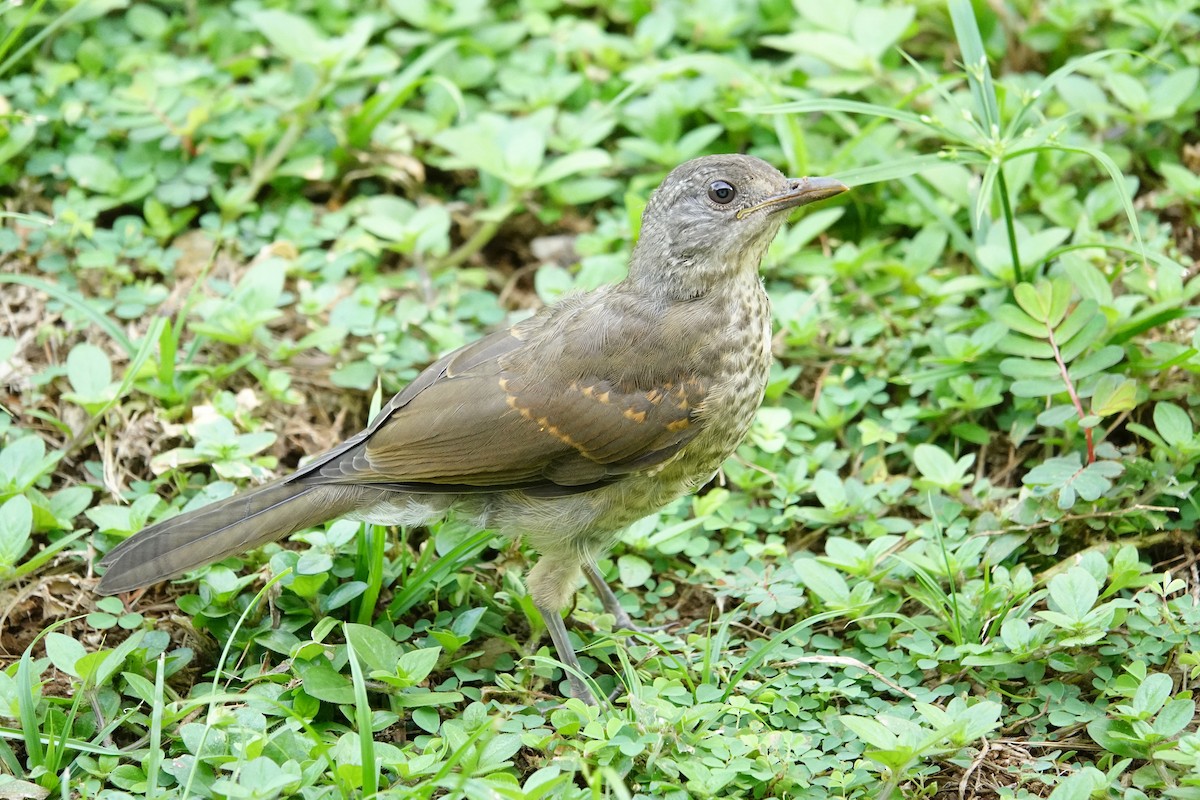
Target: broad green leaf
23, 462
94, 172
825, 582
1037, 387
870, 731
1026, 347
1046, 302
1029, 369
89, 371
1087, 337
1021, 322
322, 682
1176, 88
65, 652
1074, 592
1113, 394
1096, 362
1129, 91
937, 466
1152, 693
375, 649
572, 164
1176, 715
1075, 322
1080, 785
879, 29
293, 36
1055, 416
16, 527
1174, 425
633, 570
415, 665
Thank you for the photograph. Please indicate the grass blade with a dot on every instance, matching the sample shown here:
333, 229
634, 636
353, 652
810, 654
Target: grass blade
979, 74
58, 293
362, 721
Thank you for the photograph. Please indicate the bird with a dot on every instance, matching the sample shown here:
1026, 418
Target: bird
563, 429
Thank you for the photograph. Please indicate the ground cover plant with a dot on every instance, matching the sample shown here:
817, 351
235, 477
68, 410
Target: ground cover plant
956, 557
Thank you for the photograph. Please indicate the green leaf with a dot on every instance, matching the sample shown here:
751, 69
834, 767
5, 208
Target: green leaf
870, 731
1025, 369
1021, 322
374, 648
322, 682
65, 652
1116, 736
1174, 425
825, 582
634, 570
1074, 592
19, 136
90, 374
415, 665
16, 527
1043, 387
1047, 302
1096, 362
293, 36
1016, 345
427, 719
1113, 394
1087, 337
1055, 416
979, 74
1176, 88
572, 164
1077, 786
1072, 481
497, 751
834, 104
1175, 716
1079, 317
1152, 693
92, 172
938, 467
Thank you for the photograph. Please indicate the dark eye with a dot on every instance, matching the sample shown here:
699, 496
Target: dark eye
721, 192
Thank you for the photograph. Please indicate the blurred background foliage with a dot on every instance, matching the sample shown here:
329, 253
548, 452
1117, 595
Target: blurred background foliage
956, 556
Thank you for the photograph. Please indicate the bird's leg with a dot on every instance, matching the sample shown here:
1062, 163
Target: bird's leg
608, 598
566, 653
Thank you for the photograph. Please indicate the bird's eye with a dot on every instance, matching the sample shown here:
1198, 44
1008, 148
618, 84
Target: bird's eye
721, 192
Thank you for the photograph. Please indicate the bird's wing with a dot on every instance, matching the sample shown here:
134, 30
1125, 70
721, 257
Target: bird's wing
518, 409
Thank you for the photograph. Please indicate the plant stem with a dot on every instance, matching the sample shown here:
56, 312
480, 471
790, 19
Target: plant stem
1066, 376
477, 240
264, 169
1006, 206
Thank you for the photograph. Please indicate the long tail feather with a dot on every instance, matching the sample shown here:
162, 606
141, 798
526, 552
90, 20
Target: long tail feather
226, 527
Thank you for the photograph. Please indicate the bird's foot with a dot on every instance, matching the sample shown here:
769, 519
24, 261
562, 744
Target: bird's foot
624, 622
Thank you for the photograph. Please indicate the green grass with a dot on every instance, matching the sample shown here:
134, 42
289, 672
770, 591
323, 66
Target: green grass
956, 556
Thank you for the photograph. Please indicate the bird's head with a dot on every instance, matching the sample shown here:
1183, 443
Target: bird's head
716, 215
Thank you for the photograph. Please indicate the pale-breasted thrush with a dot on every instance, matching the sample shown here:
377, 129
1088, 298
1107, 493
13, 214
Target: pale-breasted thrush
563, 429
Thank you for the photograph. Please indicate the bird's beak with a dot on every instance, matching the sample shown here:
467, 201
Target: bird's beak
800, 192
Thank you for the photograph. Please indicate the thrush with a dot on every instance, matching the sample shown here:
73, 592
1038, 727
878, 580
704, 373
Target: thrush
563, 429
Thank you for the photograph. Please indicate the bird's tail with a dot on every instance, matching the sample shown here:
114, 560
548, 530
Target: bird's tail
224, 528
